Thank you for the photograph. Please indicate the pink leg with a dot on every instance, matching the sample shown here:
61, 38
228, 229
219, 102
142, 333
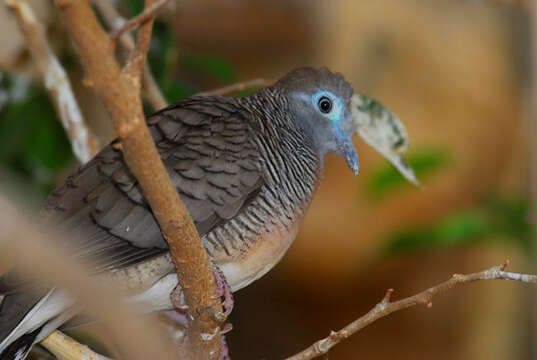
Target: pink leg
222, 289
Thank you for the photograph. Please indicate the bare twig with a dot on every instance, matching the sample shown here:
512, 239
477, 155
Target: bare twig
237, 87
84, 143
66, 348
114, 20
148, 14
134, 67
53, 266
385, 307
119, 91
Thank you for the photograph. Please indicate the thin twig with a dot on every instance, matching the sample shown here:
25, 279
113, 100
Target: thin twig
385, 307
148, 14
134, 67
66, 348
119, 91
237, 87
85, 144
114, 21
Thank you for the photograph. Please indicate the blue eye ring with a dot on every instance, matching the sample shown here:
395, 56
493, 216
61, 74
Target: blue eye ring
335, 112
324, 104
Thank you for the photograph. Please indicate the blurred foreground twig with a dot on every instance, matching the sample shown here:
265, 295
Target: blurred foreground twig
84, 143
40, 255
385, 307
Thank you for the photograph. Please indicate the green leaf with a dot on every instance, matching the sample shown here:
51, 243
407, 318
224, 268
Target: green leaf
499, 219
134, 7
33, 144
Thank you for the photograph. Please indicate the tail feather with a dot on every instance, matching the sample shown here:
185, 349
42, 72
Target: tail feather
19, 349
13, 310
26, 318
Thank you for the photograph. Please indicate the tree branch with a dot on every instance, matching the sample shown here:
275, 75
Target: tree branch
146, 15
114, 20
119, 91
66, 348
237, 87
133, 68
85, 144
385, 307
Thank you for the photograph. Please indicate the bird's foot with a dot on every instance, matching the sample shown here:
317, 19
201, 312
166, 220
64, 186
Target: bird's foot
178, 299
223, 289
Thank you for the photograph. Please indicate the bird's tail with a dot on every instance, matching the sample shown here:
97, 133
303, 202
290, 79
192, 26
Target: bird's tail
19, 349
14, 308
26, 318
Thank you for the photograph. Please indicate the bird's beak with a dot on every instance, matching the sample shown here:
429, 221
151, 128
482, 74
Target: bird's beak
346, 148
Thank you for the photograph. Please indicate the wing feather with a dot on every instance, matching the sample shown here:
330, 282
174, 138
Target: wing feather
207, 148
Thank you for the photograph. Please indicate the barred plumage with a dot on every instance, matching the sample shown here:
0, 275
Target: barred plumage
246, 169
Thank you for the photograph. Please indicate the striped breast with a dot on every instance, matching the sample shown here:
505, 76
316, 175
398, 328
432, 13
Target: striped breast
250, 244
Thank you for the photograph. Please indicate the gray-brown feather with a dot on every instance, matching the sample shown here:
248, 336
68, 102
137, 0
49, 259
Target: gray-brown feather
245, 168
206, 146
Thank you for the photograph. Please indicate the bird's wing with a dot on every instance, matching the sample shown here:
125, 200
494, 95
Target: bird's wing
207, 148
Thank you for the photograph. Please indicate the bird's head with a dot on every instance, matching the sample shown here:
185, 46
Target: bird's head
319, 102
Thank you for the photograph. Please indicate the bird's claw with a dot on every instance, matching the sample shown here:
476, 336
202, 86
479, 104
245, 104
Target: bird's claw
224, 349
223, 289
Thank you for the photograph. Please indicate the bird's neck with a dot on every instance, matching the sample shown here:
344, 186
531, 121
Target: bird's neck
292, 166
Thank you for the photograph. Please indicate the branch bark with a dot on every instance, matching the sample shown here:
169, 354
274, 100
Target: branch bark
65, 348
85, 144
385, 307
119, 91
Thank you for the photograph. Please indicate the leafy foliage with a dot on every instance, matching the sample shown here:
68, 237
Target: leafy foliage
33, 144
166, 61
500, 219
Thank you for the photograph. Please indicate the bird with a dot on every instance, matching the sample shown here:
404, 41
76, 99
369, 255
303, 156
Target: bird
246, 169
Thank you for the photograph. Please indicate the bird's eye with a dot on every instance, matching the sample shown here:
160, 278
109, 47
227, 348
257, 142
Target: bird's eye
325, 104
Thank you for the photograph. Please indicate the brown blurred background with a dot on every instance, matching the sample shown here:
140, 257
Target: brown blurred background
456, 74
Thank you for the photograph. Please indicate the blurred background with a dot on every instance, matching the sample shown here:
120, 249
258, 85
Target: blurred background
456, 72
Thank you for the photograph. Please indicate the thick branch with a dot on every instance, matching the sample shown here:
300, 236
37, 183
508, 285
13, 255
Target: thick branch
114, 20
385, 307
119, 91
84, 143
